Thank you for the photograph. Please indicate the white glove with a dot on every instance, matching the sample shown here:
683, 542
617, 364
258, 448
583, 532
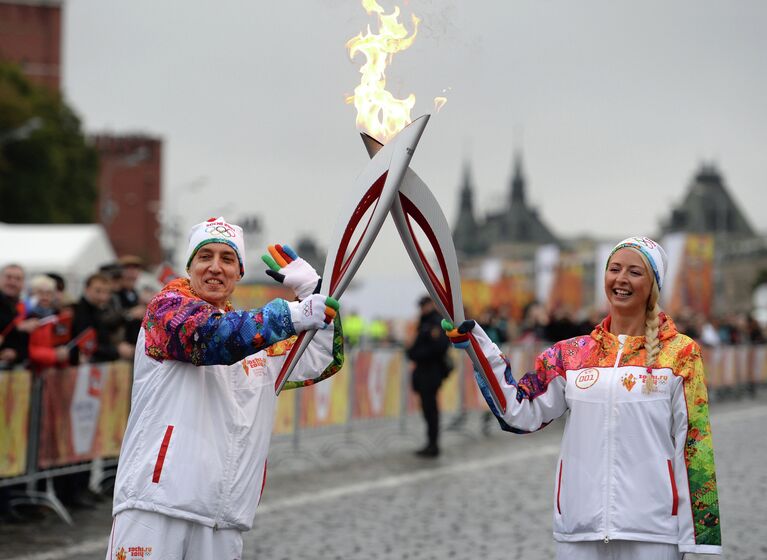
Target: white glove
315, 312
287, 267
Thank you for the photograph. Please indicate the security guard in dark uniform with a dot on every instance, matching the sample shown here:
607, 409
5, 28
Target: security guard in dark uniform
429, 354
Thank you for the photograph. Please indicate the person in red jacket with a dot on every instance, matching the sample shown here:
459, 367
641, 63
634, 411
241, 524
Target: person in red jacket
48, 341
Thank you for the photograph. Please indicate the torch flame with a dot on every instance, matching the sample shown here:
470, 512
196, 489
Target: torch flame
439, 102
379, 113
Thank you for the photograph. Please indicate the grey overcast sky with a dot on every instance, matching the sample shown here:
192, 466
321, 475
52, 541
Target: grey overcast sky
613, 104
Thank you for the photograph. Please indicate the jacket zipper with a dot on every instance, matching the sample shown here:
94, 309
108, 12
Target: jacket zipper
608, 469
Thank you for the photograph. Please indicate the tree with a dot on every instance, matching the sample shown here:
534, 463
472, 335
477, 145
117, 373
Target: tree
48, 172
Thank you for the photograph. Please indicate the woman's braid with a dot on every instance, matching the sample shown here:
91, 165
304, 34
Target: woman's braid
652, 343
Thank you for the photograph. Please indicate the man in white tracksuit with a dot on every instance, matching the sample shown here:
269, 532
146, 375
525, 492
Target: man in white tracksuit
193, 461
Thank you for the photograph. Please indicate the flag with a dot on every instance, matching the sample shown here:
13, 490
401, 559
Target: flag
166, 274
86, 341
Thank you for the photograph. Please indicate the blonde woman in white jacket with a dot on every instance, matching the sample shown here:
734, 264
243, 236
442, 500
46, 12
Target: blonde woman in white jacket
193, 461
635, 477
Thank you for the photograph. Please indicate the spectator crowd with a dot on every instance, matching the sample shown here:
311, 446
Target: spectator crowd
42, 326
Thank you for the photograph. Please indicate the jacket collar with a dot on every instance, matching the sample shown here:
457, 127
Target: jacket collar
184, 287
607, 340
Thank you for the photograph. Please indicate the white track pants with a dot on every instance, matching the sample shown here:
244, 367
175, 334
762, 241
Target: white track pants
617, 550
143, 534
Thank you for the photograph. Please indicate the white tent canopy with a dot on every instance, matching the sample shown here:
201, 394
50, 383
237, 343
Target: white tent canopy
72, 250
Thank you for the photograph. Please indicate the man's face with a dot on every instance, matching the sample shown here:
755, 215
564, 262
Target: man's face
130, 275
427, 307
214, 271
12, 281
98, 293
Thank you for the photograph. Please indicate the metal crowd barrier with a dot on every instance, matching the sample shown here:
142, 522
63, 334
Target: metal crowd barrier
60, 422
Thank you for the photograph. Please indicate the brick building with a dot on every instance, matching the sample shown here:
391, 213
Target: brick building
30, 35
130, 178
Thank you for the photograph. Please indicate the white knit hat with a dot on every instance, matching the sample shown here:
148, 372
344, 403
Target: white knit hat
216, 230
651, 250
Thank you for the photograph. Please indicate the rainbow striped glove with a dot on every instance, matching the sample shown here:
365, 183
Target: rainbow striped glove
315, 312
459, 337
288, 268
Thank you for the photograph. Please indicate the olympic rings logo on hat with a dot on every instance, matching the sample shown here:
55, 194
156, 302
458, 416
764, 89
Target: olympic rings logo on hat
222, 229
646, 241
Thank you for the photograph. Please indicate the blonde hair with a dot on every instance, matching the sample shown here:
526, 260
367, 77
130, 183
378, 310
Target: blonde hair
42, 282
652, 325
652, 329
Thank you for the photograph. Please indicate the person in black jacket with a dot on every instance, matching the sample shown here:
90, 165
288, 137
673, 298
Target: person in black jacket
431, 367
132, 308
92, 315
14, 324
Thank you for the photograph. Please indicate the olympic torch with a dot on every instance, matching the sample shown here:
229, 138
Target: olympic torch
366, 209
415, 205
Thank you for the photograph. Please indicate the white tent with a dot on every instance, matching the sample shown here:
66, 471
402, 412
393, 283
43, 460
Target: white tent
72, 250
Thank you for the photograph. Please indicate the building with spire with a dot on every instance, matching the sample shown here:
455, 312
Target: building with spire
467, 232
722, 257
740, 253
708, 207
514, 230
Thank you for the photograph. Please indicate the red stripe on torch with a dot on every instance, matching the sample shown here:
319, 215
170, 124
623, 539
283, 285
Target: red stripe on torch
488, 371
340, 265
444, 291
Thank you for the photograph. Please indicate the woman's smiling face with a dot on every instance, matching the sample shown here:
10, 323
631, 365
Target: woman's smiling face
628, 283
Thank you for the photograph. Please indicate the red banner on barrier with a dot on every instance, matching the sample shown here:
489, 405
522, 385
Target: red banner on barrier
377, 381
84, 413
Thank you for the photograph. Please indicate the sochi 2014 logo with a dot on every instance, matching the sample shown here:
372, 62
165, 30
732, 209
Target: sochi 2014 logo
134, 552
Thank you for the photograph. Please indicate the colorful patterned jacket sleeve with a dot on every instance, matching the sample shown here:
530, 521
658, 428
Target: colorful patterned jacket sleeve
181, 327
694, 470
538, 397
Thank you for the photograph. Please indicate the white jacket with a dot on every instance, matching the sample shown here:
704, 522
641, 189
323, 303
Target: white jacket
634, 465
197, 438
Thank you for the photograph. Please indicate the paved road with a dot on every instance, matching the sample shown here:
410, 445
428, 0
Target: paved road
366, 497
